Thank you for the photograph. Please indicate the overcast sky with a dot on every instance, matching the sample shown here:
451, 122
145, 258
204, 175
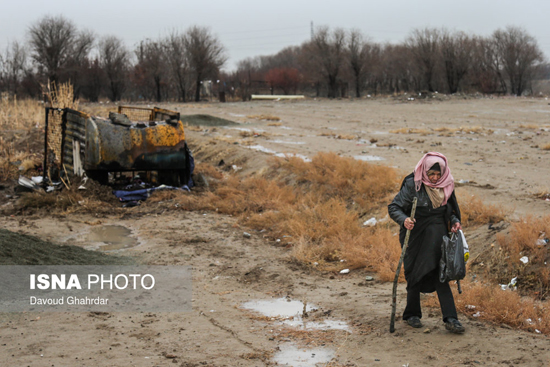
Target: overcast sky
249, 28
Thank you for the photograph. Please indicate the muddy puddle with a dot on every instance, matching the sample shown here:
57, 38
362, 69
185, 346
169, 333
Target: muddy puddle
111, 237
279, 307
292, 311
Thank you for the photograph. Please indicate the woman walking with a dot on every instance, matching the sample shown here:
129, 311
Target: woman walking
437, 212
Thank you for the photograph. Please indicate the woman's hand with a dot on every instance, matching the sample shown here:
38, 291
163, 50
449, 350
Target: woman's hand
456, 227
409, 223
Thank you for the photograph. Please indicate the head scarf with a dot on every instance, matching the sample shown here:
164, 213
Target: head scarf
446, 182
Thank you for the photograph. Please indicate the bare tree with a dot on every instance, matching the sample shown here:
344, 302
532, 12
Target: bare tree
486, 70
248, 71
326, 53
151, 65
519, 54
177, 58
424, 44
55, 42
456, 51
206, 55
13, 67
358, 51
114, 59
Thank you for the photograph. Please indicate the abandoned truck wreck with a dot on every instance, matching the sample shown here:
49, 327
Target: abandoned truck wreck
135, 139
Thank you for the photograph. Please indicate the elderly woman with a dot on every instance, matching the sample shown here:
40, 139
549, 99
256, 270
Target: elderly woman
437, 212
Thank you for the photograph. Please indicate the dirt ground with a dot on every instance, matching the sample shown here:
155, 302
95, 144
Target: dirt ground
505, 167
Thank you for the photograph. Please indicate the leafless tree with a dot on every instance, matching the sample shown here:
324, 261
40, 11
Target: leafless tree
358, 50
519, 54
151, 66
206, 55
456, 51
13, 67
56, 42
248, 71
423, 44
177, 59
326, 53
114, 60
486, 69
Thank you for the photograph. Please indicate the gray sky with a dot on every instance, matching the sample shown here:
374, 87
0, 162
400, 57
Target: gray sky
250, 28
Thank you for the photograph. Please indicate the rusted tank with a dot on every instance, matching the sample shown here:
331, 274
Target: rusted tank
134, 139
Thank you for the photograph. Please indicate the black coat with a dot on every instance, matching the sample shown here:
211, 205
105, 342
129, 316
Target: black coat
424, 250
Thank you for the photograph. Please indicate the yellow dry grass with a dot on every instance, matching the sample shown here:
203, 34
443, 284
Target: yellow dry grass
523, 239
475, 212
489, 302
545, 147
275, 124
338, 136
264, 117
406, 130
253, 134
449, 131
16, 114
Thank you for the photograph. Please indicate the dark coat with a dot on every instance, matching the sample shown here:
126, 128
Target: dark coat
424, 249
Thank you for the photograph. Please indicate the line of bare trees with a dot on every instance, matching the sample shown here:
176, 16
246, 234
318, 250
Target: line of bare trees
340, 63
334, 63
56, 51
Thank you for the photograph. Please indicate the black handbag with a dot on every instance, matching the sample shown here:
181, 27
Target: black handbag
452, 265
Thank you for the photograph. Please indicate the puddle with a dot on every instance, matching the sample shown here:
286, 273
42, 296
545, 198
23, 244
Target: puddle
292, 310
282, 307
113, 237
292, 356
368, 158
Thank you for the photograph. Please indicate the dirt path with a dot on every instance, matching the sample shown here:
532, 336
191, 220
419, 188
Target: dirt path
228, 271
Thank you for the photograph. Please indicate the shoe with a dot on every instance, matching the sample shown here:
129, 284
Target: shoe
414, 321
454, 326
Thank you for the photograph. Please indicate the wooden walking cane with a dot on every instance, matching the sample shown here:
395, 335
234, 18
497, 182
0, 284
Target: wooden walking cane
398, 270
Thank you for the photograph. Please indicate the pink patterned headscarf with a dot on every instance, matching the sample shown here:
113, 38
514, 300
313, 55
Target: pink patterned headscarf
446, 182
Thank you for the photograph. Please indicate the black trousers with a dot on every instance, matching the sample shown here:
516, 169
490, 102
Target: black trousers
446, 300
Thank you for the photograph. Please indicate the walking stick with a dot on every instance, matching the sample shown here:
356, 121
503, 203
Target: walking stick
398, 270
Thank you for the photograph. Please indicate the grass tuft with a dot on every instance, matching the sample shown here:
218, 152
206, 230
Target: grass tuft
475, 212
264, 117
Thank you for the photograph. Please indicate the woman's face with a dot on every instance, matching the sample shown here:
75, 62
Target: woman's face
434, 176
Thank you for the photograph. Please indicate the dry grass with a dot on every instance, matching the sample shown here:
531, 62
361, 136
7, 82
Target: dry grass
61, 201
315, 207
448, 131
489, 302
264, 117
529, 126
355, 182
275, 124
545, 147
522, 240
475, 212
253, 134
406, 130
338, 136
541, 193
18, 114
